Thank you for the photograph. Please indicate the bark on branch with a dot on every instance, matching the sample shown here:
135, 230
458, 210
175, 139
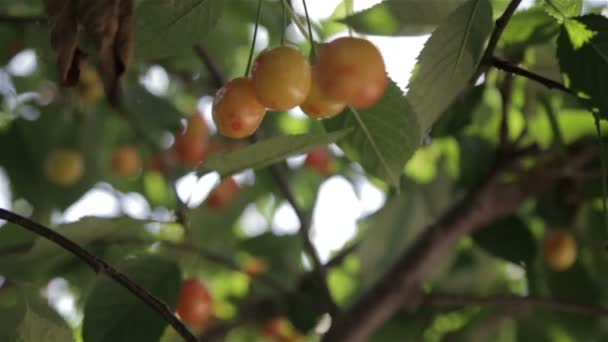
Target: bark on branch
495, 198
101, 266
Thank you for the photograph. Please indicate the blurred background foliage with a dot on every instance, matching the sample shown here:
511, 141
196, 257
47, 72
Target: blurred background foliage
146, 225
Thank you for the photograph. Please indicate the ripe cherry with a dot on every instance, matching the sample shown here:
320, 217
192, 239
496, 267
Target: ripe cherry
318, 104
352, 70
255, 266
163, 161
559, 249
281, 77
237, 111
64, 167
126, 161
220, 197
191, 151
196, 128
194, 304
319, 160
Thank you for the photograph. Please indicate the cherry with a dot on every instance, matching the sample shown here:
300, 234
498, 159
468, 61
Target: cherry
126, 161
318, 104
255, 266
559, 249
194, 304
64, 167
237, 112
220, 197
190, 152
281, 77
319, 160
90, 88
163, 161
196, 127
352, 70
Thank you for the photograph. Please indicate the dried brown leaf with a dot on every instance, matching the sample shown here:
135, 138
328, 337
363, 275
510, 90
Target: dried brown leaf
63, 22
108, 24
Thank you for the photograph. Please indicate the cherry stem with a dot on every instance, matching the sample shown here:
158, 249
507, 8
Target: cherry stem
295, 18
310, 36
255, 37
284, 15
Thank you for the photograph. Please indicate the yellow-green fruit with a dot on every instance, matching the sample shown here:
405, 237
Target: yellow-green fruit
64, 167
559, 248
126, 161
281, 78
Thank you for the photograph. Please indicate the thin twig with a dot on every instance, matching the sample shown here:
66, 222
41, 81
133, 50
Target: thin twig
499, 28
515, 302
305, 224
100, 265
512, 68
503, 132
216, 74
339, 258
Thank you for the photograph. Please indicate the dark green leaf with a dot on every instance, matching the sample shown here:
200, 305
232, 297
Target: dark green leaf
112, 313
449, 60
153, 114
582, 50
509, 239
526, 28
14, 239
477, 156
270, 151
283, 253
384, 136
165, 28
459, 114
402, 17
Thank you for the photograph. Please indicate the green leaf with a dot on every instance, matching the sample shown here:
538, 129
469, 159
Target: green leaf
526, 28
165, 28
449, 60
402, 17
112, 313
41, 323
384, 137
586, 66
460, 113
282, 252
12, 311
389, 230
14, 239
154, 115
269, 151
563, 9
508, 239
477, 156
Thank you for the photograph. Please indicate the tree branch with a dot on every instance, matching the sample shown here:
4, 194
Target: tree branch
514, 69
5, 18
495, 198
99, 265
515, 302
214, 70
499, 28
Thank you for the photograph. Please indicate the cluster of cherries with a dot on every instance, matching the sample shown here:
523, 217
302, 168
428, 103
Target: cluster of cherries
349, 71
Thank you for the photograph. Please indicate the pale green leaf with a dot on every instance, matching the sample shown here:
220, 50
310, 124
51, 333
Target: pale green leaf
564, 9
384, 136
165, 28
402, 17
269, 151
449, 60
